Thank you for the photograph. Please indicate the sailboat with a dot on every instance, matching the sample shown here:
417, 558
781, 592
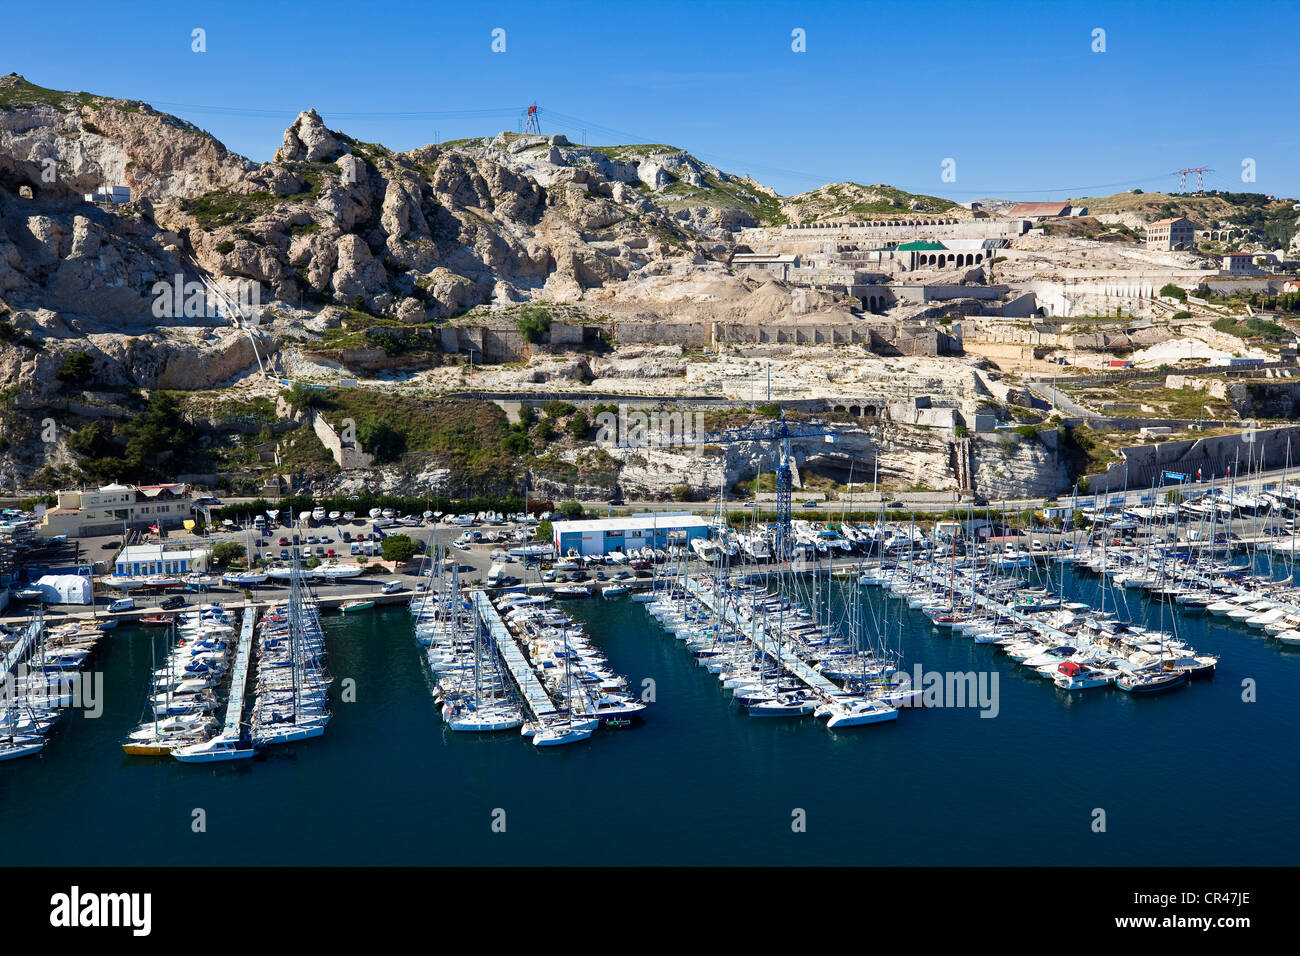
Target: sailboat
292, 682
557, 732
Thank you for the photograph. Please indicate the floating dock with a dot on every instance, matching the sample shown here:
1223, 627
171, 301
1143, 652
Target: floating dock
531, 691
791, 663
239, 675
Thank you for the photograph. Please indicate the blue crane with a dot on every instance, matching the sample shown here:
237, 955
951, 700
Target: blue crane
782, 431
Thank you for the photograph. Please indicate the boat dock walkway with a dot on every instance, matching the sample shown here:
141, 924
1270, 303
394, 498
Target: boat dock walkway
975, 598
791, 663
239, 675
20, 649
531, 690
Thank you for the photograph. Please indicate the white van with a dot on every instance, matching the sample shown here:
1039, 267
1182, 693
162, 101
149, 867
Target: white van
122, 604
495, 575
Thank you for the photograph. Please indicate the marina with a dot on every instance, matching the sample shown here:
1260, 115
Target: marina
843, 636
515, 664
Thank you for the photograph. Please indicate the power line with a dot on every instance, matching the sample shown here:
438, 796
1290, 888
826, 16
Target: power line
341, 114
569, 122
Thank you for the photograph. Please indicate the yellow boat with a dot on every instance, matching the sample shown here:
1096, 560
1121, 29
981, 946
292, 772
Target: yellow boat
159, 747
152, 749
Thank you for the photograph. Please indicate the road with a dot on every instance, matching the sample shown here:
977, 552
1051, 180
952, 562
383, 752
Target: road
1064, 405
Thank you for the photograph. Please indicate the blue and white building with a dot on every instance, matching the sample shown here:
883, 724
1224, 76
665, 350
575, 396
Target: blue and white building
602, 535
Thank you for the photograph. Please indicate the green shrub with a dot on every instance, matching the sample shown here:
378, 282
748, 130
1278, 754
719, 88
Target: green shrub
578, 425
383, 438
399, 548
223, 552
76, 368
558, 409
534, 323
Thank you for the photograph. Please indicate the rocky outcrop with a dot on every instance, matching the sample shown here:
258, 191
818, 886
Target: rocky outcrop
88, 142
1015, 466
308, 141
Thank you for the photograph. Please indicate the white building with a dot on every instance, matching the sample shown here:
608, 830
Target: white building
603, 535
110, 508
1238, 263
142, 560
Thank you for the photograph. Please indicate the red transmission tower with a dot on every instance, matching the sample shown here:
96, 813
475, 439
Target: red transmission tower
1200, 172
532, 125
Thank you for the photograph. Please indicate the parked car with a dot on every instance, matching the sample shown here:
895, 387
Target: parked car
810, 503
173, 602
284, 554
122, 604
284, 542
392, 587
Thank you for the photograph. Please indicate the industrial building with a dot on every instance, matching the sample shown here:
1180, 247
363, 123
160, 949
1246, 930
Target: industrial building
603, 535
1171, 234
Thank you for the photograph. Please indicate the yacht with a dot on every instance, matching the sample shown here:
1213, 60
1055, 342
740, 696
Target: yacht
218, 749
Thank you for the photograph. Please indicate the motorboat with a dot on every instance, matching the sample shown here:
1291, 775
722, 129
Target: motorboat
572, 591
219, 749
558, 734
334, 572
859, 712
244, 578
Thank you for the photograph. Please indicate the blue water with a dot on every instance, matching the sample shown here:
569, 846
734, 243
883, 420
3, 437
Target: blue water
1192, 777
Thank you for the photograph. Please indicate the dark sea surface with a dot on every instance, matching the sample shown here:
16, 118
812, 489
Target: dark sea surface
1197, 776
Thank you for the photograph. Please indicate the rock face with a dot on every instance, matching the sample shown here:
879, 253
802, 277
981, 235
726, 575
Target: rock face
308, 141
85, 143
1019, 467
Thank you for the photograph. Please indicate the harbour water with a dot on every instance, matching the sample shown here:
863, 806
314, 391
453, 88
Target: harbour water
1198, 776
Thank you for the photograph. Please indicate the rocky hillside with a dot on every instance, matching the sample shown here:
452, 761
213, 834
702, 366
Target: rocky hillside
850, 200
1264, 220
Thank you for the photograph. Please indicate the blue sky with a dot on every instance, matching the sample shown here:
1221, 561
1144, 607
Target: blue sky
885, 92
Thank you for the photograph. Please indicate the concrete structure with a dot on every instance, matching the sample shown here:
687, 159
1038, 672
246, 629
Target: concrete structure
603, 535
776, 264
142, 560
1038, 211
345, 449
1171, 234
112, 508
880, 231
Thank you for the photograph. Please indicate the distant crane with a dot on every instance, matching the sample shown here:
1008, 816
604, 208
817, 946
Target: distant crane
533, 122
781, 431
1200, 172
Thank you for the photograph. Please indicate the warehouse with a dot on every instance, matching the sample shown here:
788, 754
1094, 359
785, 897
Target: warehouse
603, 535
